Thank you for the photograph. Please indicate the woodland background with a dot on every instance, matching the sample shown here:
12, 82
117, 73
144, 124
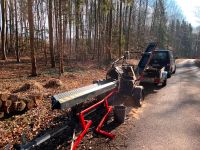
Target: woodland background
60, 31
52, 46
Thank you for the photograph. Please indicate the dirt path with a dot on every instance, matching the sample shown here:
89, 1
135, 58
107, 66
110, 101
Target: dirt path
172, 118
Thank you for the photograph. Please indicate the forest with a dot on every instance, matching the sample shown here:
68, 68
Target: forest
59, 31
52, 46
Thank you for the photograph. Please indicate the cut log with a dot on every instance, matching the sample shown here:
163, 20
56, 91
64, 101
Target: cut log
30, 104
4, 96
7, 110
36, 98
19, 106
1, 104
7, 106
13, 97
7, 103
1, 114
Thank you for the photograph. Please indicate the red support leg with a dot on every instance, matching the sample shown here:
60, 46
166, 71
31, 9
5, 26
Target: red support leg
86, 124
98, 129
80, 137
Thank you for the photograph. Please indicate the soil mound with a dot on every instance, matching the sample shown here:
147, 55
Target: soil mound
30, 86
54, 83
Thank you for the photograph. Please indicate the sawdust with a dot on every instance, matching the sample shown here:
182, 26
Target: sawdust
136, 112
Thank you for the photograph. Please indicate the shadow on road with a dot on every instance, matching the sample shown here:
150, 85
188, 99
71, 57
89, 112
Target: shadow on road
150, 88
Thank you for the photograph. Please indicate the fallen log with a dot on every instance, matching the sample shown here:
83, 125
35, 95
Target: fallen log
13, 97
1, 115
19, 106
7, 106
4, 96
30, 104
36, 98
1, 104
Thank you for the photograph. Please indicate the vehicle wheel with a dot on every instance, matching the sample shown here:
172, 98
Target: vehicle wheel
174, 70
156, 84
164, 83
139, 101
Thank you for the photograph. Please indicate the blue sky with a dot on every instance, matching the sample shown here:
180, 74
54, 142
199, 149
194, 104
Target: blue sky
189, 8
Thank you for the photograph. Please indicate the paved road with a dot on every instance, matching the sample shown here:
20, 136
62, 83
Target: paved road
172, 118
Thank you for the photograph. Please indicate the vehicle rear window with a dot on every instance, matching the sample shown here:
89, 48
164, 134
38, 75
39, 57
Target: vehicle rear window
160, 56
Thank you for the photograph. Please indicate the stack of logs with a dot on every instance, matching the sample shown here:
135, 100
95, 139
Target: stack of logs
13, 104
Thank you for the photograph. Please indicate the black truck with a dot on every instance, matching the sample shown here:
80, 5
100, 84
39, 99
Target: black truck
156, 65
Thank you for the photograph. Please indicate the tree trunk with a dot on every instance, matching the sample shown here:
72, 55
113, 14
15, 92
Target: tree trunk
70, 30
11, 21
77, 24
51, 49
110, 34
61, 40
120, 30
138, 26
16, 34
31, 30
129, 25
95, 27
3, 41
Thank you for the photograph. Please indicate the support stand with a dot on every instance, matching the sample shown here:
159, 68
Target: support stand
87, 123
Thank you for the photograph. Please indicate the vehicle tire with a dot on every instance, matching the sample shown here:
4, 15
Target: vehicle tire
164, 83
156, 84
174, 70
139, 101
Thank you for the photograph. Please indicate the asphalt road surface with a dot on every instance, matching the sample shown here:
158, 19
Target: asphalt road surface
171, 119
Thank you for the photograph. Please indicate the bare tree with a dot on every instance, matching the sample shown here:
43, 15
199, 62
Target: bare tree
31, 30
3, 38
51, 49
16, 34
120, 29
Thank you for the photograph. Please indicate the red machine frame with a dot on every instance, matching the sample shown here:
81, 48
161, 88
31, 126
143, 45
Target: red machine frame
87, 123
